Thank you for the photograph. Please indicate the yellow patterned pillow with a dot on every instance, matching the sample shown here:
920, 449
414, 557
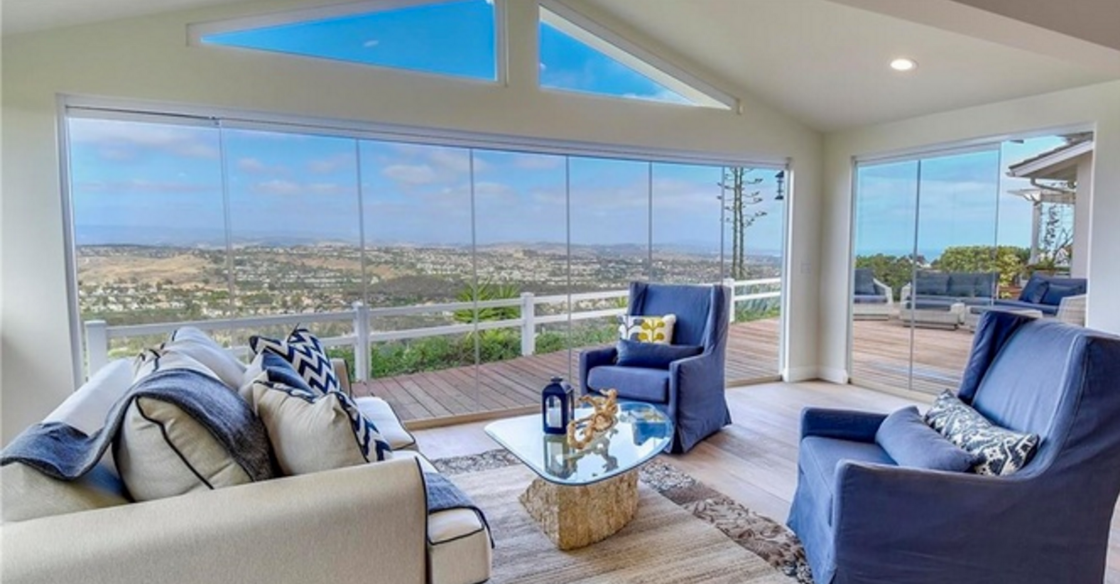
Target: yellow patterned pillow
647, 329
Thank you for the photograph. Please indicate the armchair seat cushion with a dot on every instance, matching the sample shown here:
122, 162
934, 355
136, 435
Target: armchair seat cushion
632, 382
820, 456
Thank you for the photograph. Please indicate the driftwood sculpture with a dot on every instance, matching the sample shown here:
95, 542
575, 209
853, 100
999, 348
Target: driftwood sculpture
583, 430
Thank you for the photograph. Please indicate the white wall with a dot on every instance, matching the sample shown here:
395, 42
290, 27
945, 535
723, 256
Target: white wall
1097, 106
148, 59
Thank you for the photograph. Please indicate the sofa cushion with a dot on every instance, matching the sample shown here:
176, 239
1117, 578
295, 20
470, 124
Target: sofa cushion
932, 284
632, 382
30, 494
908, 440
275, 369
819, 457
161, 451
1034, 290
306, 354
1056, 292
388, 423
652, 355
150, 361
647, 329
865, 283
199, 346
997, 451
87, 408
311, 432
1044, 308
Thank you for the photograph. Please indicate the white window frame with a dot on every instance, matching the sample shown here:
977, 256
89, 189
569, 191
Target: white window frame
584, 29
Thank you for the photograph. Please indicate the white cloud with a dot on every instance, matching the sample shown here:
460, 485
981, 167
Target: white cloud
277, 187
119, 141
330, 164
251, 165
413, 174
371, 43
143, 186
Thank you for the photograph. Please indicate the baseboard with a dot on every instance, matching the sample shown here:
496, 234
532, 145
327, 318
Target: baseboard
834, 375
795, 374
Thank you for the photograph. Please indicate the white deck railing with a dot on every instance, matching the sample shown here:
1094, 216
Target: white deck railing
99, 335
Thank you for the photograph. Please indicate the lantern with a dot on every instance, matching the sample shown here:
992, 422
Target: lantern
557, 406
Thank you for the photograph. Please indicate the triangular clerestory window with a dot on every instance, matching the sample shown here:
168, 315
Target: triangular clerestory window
455, 38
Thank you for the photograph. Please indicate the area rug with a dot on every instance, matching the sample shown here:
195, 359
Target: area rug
684, 532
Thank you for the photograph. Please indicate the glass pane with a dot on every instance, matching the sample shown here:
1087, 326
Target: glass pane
447, 38
416, 212
294, 223
610, 217
569, 64
150, 243
885, 208
521, 224
957, 275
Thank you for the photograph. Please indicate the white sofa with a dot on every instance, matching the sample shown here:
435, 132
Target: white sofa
359, 524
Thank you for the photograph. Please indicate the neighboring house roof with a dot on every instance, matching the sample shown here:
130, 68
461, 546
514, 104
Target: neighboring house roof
1057, 164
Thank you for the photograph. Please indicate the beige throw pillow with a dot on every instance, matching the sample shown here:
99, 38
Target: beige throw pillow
312, 433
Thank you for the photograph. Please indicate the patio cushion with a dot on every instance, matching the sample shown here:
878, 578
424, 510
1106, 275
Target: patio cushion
932, 284
865, 283
1034, 290
1056, 292
931, 303
972, 285
866, 299
1045, 308
632, 382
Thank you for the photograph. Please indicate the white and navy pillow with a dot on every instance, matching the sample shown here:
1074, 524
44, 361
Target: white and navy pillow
312, 432
998, 451
305, 354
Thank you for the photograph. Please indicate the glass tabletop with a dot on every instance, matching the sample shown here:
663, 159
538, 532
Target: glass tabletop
642, 432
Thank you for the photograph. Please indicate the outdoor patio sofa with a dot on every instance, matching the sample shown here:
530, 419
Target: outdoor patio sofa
942, 290
866, 520
365, 523
871, 299
1046, 293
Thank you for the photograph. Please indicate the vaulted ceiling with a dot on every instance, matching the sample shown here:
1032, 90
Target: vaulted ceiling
824, 62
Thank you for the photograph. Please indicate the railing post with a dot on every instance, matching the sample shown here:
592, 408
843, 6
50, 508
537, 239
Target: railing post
361, 341
528, 326
97, 345
730, 283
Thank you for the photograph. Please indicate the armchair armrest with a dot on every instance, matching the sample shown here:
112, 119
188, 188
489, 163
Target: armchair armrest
885, 291
340, 370
843, 424
1072, 309
349, 523
934, 519
591, 359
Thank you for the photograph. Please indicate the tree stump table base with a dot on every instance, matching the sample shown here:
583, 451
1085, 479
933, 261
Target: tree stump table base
577, 516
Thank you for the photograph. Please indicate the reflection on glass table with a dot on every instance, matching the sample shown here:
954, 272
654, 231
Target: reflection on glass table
642, 432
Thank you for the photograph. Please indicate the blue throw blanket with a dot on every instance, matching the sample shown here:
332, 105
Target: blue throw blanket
66, 453
443, 495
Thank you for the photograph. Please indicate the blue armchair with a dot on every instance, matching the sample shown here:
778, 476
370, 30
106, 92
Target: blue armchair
691, 390
863, 519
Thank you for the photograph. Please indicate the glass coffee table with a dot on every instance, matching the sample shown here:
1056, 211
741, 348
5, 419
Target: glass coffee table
583, 496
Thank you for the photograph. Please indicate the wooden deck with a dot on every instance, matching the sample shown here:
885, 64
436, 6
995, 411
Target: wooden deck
752, 354
881, 356
881, 360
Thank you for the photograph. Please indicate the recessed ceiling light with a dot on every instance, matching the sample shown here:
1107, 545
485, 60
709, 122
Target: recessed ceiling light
904, 64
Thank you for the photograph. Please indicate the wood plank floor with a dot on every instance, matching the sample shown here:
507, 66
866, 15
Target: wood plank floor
752, 354
881, 356
753, 461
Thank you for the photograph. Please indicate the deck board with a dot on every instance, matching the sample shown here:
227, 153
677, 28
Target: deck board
881, 359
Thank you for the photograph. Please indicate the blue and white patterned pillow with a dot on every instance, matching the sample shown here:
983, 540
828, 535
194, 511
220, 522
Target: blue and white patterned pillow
305, 354
299, 433
997, 451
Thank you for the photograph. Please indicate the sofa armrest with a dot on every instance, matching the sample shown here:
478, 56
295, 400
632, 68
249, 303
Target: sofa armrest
591, 359
842, 424
343, 374
348, 524
885, 291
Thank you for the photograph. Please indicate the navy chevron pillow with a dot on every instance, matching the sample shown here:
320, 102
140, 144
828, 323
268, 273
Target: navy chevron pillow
305, 354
